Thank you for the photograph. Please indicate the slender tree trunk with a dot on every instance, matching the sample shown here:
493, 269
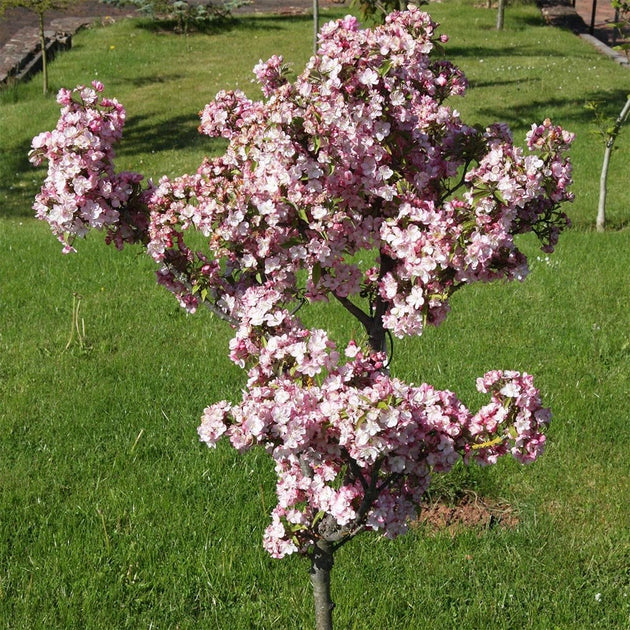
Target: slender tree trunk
321, 565
601, 206
376, 331
42, 39
315, 24
603, 180
500, 14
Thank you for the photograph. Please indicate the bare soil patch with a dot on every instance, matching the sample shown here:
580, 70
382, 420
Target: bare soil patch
469, 511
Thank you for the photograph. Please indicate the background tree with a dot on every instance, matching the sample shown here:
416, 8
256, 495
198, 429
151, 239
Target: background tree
355, 183
500, 14
609, 130
40, 8
184, 16
315, 24
621, 26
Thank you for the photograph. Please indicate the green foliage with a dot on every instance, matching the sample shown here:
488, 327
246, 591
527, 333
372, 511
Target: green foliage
374, 11
607, 127
37, 6
186, 15
622, 25
114, 516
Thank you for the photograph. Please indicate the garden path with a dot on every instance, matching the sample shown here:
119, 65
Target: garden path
597, 15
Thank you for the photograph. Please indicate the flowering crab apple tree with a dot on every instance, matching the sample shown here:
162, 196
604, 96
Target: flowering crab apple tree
360, 153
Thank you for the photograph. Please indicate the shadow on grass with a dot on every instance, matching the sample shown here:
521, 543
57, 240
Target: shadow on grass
244, 22
483, 84
567, 111
165, 26
486, 52
19, 181
587, 225
144, 133
515, 23
152, 80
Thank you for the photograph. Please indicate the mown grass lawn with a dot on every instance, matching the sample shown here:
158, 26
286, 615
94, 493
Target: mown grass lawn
112, 515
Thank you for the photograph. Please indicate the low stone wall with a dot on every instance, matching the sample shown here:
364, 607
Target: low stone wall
21, 56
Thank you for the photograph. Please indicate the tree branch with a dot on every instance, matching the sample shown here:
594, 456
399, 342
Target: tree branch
352, 308
213, 308
376, 330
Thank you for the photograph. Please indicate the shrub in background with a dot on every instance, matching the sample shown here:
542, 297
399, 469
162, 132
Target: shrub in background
186, 15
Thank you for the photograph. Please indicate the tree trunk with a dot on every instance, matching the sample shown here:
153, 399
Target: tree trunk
42, 39
315, 24
321, 565
500, 14
376, 331
601, 206
603, 180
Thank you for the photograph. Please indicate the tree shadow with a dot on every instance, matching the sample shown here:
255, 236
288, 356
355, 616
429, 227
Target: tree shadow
472, 84
19, 181
516, 23
167, 26
151, 79
264, 22
566, 111
269, 22
486, 52
178, 132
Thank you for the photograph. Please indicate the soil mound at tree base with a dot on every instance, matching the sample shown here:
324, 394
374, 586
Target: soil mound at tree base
468, 512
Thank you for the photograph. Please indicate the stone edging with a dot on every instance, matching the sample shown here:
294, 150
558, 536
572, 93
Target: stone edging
21, 56
620, 58
558, 13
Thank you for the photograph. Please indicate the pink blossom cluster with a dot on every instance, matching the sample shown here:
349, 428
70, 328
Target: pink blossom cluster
358, 450
361, 154
513, 421
271, 74
82, 189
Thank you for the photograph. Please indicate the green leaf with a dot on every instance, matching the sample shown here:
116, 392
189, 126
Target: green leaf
289, 243
499, 196
316, 274
385, 68
318, 517
302, 214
